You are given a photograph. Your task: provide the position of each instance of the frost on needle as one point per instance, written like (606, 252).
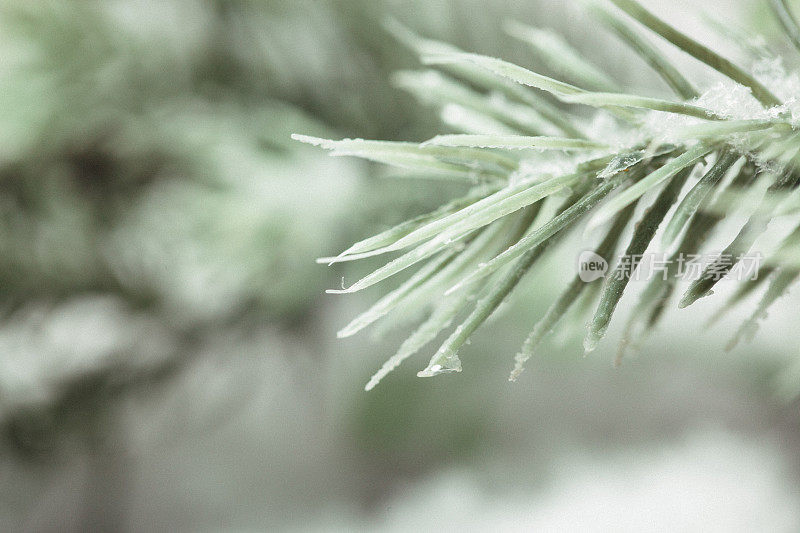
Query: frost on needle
(540, 156)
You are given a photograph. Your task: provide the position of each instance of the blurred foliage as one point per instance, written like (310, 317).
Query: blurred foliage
(148, 184)
(149, 188)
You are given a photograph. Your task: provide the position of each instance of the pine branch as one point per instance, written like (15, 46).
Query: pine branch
(544, 170)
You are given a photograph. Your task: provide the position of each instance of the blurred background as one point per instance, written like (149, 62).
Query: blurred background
(169, 357)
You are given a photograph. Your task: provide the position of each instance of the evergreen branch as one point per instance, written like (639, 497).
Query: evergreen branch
(473, 252)
(698, 51)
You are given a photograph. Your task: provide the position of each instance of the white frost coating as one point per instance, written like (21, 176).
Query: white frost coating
(663, 126)
(735, 101)
(732, 100)
(786, 86)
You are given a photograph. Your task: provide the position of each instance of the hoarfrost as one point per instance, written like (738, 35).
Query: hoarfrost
(786, 86)
(731, 100)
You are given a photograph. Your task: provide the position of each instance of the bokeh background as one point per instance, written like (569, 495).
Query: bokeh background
(168, 357)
